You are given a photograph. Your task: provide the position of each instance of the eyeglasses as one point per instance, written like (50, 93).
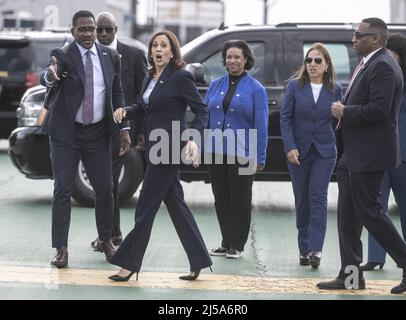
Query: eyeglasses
(85, 29)
(309, 60)
(107, 29)
(359, 35)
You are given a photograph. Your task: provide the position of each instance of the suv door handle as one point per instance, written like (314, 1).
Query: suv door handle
(273, 102)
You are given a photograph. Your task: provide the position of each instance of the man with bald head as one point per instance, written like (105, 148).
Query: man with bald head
(133, 69)
(370, 142)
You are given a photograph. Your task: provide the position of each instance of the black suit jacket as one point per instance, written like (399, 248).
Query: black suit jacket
(369, 129)
(60, 120)
(133, 69)
(174, 92)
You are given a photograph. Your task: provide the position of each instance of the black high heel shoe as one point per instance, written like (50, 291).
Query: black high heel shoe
(191, 276)
(369, 266)
(118, 278)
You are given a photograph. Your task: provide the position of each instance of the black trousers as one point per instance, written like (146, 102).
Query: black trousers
(359, 205)
(92, 145)
(232, 200)
(161, 183)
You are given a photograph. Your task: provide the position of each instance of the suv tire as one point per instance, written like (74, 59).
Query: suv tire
(130, 178)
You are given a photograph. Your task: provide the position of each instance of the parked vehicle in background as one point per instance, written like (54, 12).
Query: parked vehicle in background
(23, 56)
(279, 51)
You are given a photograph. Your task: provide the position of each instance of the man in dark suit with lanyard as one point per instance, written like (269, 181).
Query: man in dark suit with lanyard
(370, 143)
(80, 126)
(133, 69)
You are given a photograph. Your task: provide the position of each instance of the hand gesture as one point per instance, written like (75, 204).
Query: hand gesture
(337, 110)
(125, 142)
(192, 153)
(119, 115)
(53, 70)
(293, 156)
(140, 142)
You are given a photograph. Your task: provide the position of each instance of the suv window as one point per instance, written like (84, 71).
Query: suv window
(42, 50)
(213, 66)
(340, 57)
(14, 56)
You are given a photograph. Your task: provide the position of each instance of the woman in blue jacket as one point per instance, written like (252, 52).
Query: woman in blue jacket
(309, 142)
(238, 109)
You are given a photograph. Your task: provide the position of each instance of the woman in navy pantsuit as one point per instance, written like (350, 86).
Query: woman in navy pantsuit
(394, 179)
(166, 93)
(309, 142)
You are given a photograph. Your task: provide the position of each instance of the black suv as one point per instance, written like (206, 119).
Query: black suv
(23, 56)
(279, 51)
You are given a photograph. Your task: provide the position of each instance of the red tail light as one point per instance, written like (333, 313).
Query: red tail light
(31, 80)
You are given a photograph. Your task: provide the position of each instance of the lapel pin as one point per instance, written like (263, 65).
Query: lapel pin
(161, 82)
(104, 53)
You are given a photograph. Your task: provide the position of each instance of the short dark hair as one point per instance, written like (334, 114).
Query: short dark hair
(177, 61)
(246, 51)
(377, 24)
(397, 43)
(81, 14)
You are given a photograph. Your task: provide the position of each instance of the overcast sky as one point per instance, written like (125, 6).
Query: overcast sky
(251, 11)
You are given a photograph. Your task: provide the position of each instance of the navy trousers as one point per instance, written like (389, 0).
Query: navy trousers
(310, 182)
(161, 183)
(92, 146)
(394, 179)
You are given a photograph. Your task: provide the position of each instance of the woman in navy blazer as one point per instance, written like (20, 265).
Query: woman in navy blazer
(394, 179)
(237, 104)
(166, 93)
(309, 142)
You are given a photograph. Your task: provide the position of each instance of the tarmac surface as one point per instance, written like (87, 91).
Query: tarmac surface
(269, 268)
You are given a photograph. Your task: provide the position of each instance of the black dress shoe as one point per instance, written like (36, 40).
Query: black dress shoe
(339, 284)
(191, 276)
(118, 278)
(96, 245)
(117, 240)
(400, 288)
(108, 248)
(369, 266)
(61, 258)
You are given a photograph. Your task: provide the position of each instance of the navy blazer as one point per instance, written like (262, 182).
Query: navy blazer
(369, 126)
(60, 119)
(304, 121)
(174, 91)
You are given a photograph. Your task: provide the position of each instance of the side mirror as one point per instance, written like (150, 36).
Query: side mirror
(196, 69)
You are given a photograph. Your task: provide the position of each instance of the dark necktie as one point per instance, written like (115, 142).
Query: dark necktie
(88, 99)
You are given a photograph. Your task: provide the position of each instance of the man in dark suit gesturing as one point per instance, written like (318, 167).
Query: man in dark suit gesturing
(80, 125)
(133, 69)
(370, 144)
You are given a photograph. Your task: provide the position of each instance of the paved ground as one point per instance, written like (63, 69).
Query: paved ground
(268, 270)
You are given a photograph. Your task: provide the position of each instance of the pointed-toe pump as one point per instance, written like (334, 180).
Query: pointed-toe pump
(369, 266)
(191, 276)
(118, 278)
